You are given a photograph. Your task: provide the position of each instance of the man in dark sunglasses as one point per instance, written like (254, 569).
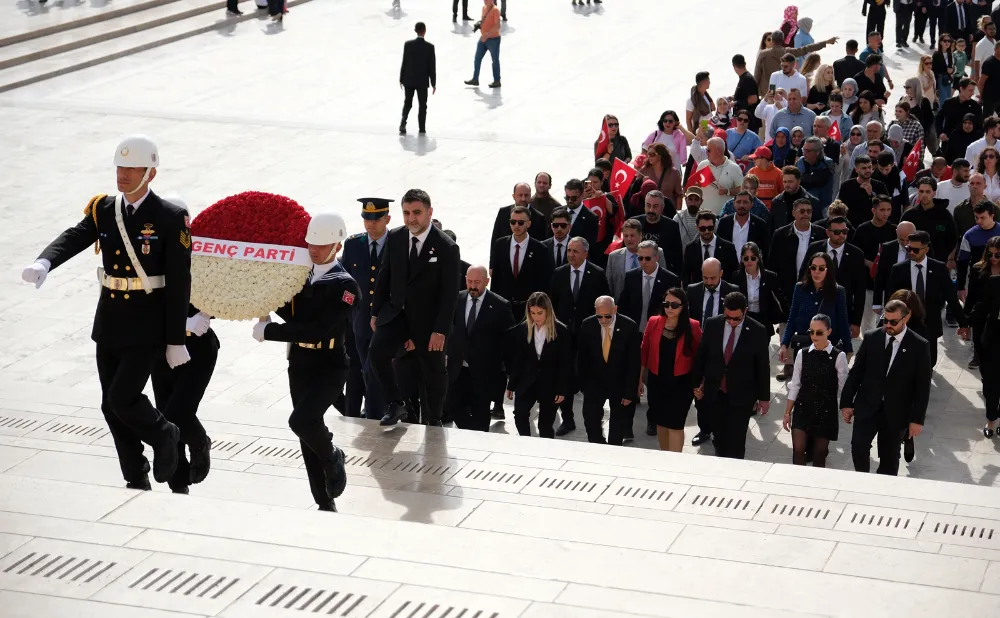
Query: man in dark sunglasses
(708, 245)
(519, 264)
(887, 390)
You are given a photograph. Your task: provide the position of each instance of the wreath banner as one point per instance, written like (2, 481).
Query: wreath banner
(255, 252)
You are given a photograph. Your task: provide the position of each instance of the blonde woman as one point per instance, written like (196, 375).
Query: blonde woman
(809, 66)
(541, 359)
(928, 83)
(819, 94)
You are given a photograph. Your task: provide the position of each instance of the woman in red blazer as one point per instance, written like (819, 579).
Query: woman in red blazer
(668, 348)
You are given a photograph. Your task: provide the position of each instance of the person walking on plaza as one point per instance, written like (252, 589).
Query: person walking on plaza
(465, 11)
(731, 374)
(143, 306)
(887, 390)
(315, 322)
(418, 69)
(814, 395)
(489, 40)
(414, 305)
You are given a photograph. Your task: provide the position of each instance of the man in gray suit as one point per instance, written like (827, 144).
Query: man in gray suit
(626, 259)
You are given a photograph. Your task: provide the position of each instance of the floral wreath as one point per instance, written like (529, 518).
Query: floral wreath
(244, 289)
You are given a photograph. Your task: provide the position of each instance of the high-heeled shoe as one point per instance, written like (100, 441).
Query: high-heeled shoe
(988, 432)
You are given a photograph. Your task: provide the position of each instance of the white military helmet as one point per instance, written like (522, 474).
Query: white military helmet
(137, 151)
(327, 228)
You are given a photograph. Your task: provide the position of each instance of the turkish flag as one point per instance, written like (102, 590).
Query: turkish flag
(603, 141)
(622, 176)
(598, 206)
(616, 244)
(912, 162)
(835, 133)
(701, 178)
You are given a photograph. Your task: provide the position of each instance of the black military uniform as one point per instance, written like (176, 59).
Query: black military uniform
(316, 322)
(131, 327)
(363, 261)
(178, 392)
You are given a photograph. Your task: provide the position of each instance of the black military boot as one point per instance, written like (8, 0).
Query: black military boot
(141, 484)
(165, 453)
(336, 474)
(200, 460)
(329, 508)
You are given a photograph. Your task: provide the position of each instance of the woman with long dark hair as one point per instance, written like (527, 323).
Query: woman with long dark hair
(943, 66)
(989, 166)
(765, 301)
(984, 299)
(660, 169)
(540, 366)
(672, 134)
(668, 349)
(618, 147)
(817, 292)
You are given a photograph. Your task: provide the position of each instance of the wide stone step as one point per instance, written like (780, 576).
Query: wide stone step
(48, 19)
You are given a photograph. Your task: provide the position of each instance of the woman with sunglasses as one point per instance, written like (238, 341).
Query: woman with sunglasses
(928, 81)
(765, 301)
(984, 299)
(765, 42)
(742, 141)
(660, 169)
(669, 345)
(943, 66)
(540, 366)
(817, 292)
(671, 134)
(812, 413)
(618, 147)
(855, 137)
(987, 166)
(922, 109)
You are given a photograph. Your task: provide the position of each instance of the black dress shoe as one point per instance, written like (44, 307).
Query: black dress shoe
(454, 19)
(331, 507)
(201, 462)
(907, 45)
(181, 489)
(472, 82)
(785, 373)
(908, 449)
(142, 484)
(497, 414)
(650, 429)
(336, 474)
(165, 454)
(701, 438)
(494, 85)
(435, 423)
(565, 428)
(988, 432)
(422, 131)
(402, 130)
(394, 412)
(466, 18)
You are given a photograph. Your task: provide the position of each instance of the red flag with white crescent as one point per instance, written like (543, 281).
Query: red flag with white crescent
(702, 178)
(835, 133)
(622, 176)
(603, 141)
(912, 162)
(598, 206)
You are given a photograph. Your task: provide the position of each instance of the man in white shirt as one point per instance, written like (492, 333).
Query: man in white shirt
(788, 77)
(559, 241)
(991, 130)
(984, 49)
(728, 176)
(955, 190)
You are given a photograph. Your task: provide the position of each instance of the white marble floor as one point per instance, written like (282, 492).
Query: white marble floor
(435, 522)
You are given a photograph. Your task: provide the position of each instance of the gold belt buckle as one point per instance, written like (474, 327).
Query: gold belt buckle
(117, 283)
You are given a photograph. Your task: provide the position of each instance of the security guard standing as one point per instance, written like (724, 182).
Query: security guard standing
(142, 310)
(362, 259)
(315, 323)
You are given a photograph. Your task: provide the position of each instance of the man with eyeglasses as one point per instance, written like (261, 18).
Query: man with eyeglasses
(887, 390)
(583, 223)
(743, 226)
(522, 198)
(519, 264)
(643, 287)
(708, 245)
(857, 192)
(661, 230)
(608, 361)
(625, 260)
(732, 374)
(849, 263)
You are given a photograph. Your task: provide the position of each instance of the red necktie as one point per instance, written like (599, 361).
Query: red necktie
(517, 260)
(728, 354)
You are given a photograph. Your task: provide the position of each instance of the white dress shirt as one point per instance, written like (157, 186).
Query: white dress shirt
(923, 273)
(539, 340)
(572, 278)
(520, 258)
(836, 253)
(136, 204)
(715, 299)
(725, 335)
(805, 238)
(895, 346)
(741, 234)
(711, 245)
(753, 293)
(902, 254)
(796, 382)
(421, 239)
(573, 213)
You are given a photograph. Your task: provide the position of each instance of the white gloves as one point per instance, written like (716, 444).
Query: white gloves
(36, 273)
(198, 324)
(258, 328)
(177, 355)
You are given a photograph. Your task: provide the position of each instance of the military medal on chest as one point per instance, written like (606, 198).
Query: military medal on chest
(147, 233)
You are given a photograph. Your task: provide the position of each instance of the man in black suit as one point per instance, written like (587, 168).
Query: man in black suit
(574, 289)
(705, 301)
(418, 69)
(583, 223)
(662, 230)
(645, 286)
(742, 227)
(557, 244)
(890, 254)
(849, 65)
(887, 390)
(734, 342)
(957, 21)
(790, 247)
(852, 273)
(519, 264)
(522, 197)
(708, 245)
(931, 281)
(414, 305)
(607, 365)
(475, 352)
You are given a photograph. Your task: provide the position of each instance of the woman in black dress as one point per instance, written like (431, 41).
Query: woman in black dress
(814, 395)
(668, 349)
(540, 366)
(982, 293)
(766, 302)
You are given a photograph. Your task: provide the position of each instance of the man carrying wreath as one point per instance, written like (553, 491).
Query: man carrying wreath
(143, 307)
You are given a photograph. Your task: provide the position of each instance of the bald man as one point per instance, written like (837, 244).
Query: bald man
(476, 374)
(539, 229)
(607, 361)
(892, 253)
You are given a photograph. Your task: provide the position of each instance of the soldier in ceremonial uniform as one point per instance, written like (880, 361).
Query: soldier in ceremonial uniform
(362, 259)
(316, 322)
(142, 310)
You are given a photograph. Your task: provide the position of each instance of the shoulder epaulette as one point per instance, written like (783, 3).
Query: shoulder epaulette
(353, 236)
(91, 210)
